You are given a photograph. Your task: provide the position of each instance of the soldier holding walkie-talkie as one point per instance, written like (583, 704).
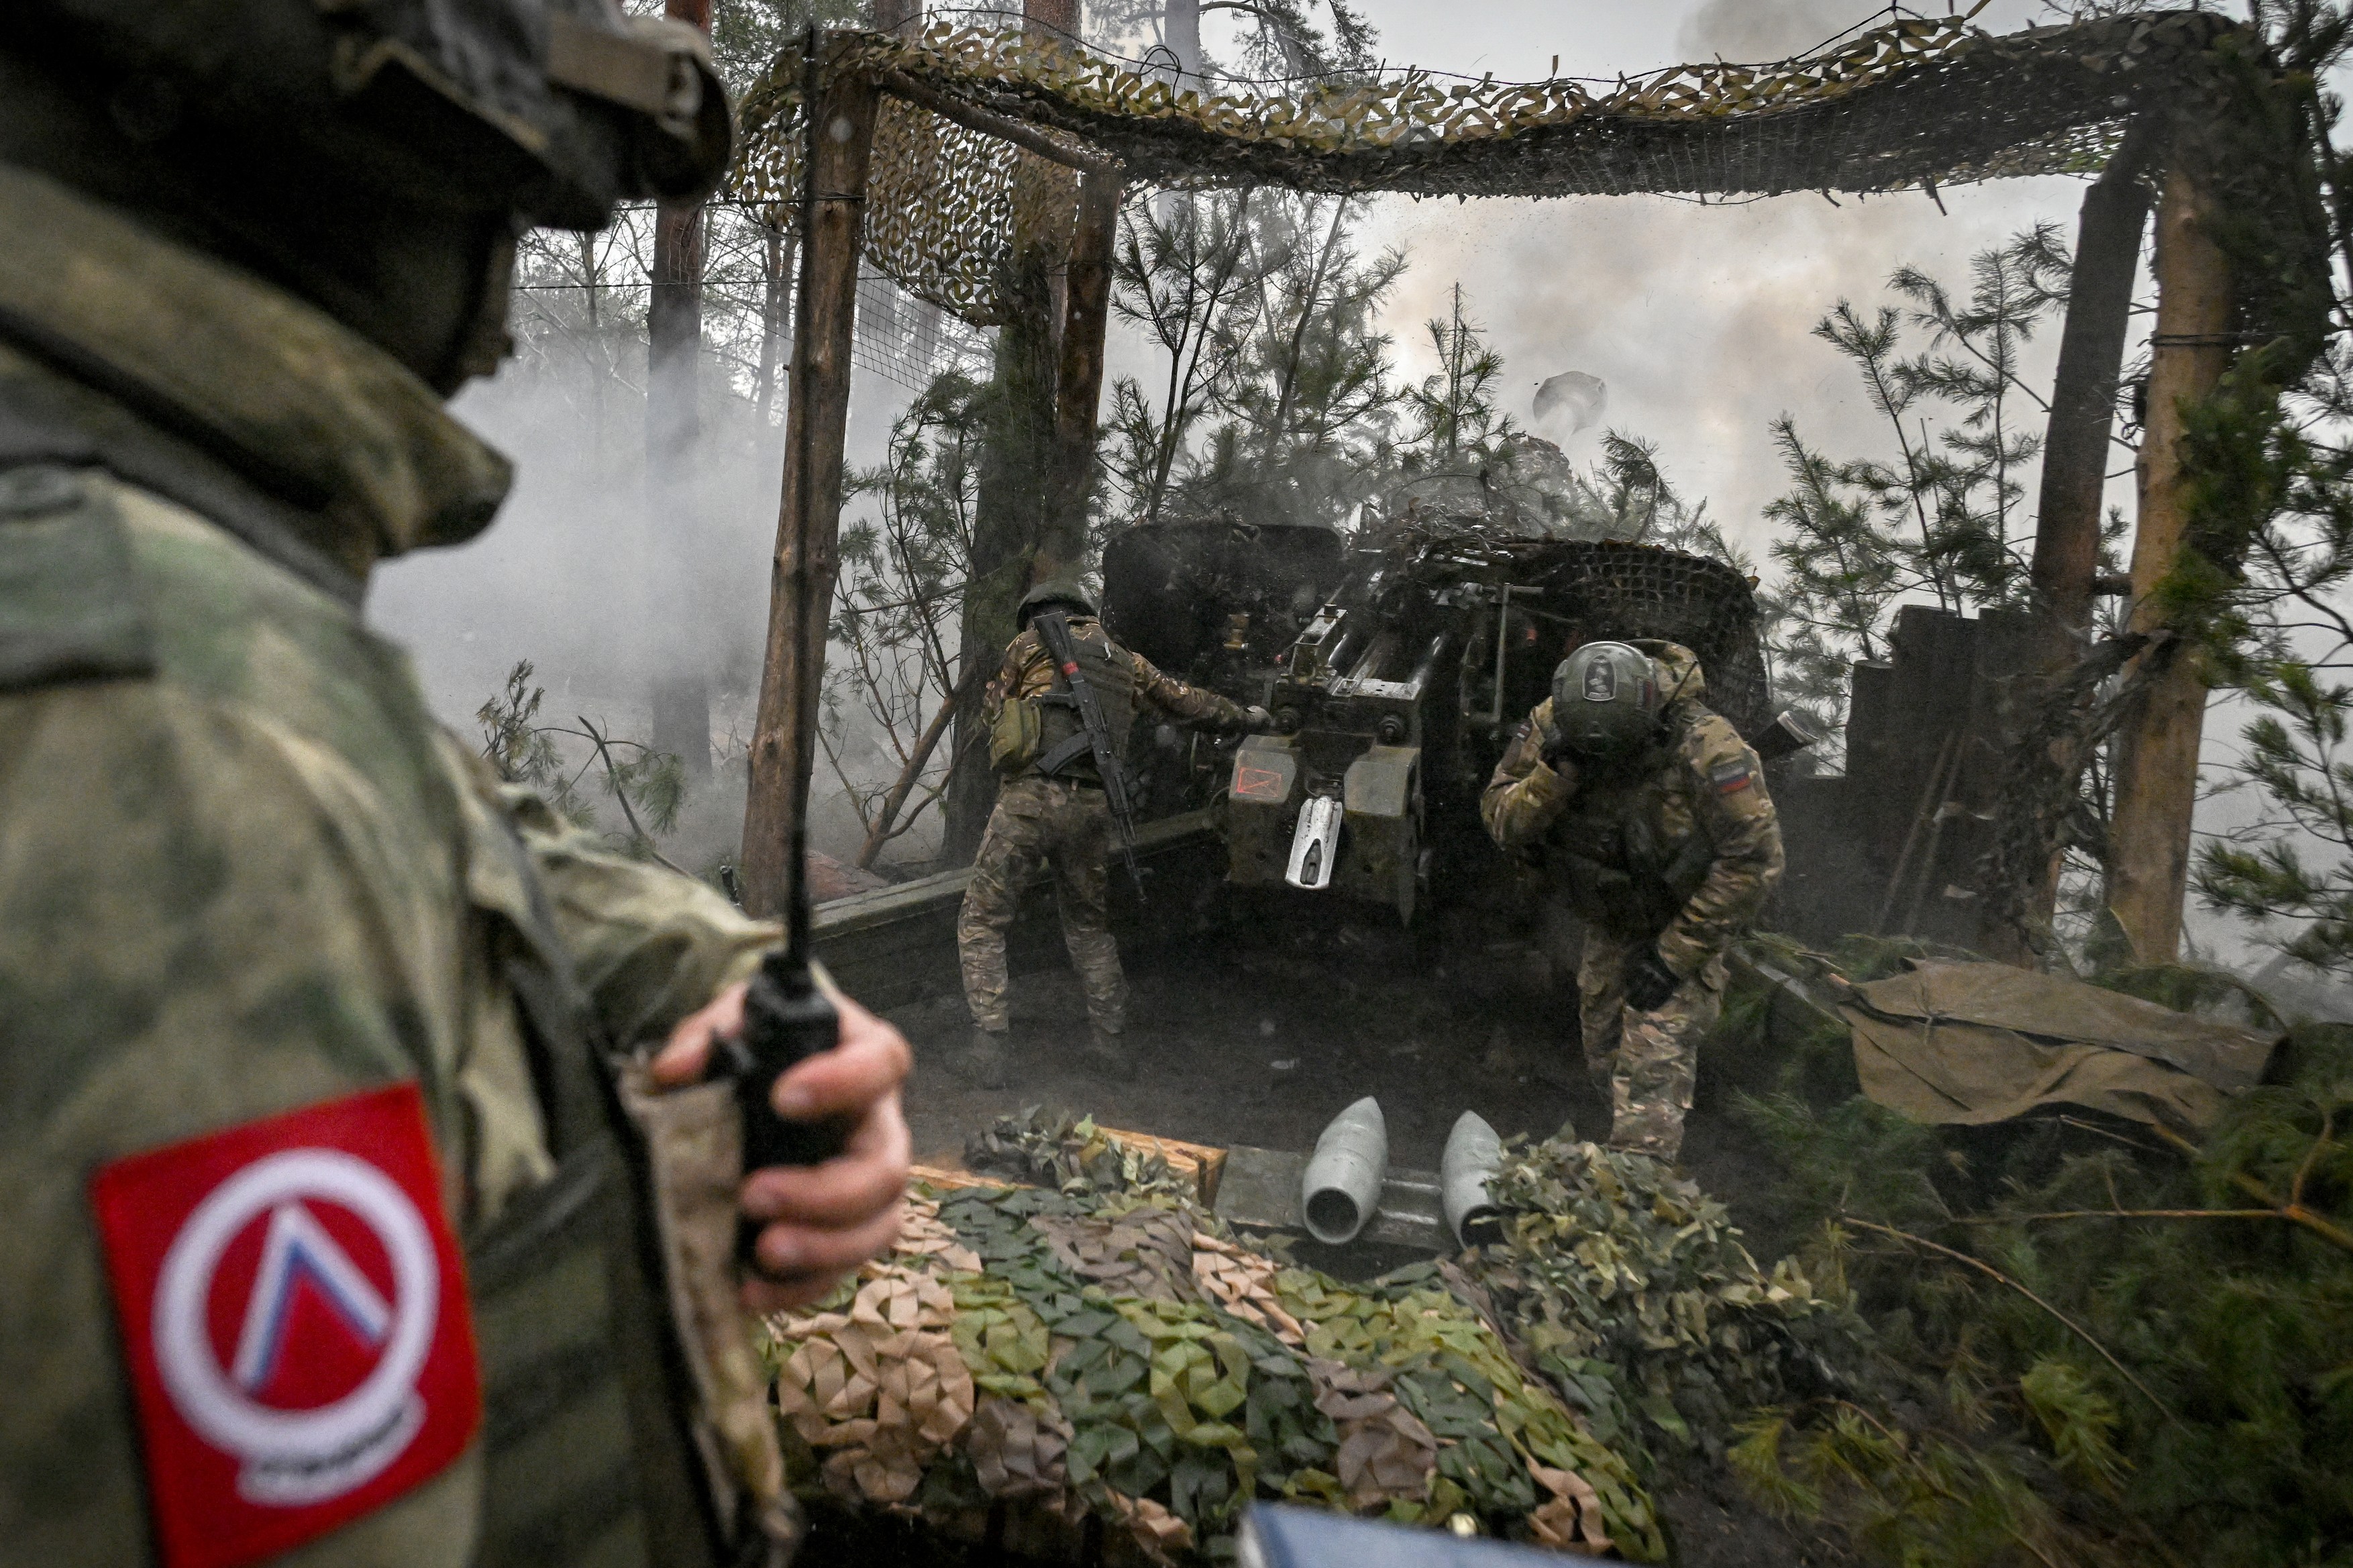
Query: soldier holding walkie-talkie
(1059, 713)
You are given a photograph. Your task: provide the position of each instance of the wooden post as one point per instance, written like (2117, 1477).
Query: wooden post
(1077, 386)
(2075, 456)
(2157, 748)
(2075, 449)
(817, 417)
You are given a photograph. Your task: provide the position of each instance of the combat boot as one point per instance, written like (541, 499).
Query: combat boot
(1108, 1055)
(985, 1059)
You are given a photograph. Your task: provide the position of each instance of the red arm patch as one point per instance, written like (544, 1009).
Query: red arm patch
(294, 1320)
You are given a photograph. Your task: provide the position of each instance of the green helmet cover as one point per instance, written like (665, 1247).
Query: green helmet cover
(553, 110)
(1606, 699)
(1069, 596)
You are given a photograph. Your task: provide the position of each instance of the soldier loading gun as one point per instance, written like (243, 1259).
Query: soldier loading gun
(1058, 726)
(1652, 814)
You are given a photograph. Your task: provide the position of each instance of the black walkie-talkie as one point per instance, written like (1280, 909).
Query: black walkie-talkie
(786, 1020)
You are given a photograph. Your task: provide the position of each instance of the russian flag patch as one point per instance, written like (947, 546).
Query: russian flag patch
(293, 1316)
(1731, 776)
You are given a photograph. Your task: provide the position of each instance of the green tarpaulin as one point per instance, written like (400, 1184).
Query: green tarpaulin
(1972, 1043)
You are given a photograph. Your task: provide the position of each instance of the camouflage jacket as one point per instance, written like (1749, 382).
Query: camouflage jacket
(247, 873)
(1029, 671)
(1681, 845)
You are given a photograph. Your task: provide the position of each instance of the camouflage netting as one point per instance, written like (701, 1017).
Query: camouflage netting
(1920, 102)
(1107, 1351)
(1628, 1287)
(1594, 588)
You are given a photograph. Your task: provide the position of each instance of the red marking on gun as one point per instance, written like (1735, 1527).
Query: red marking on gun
(1258, 784)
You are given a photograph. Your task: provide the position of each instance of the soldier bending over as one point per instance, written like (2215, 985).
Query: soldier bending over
(1653, 814)
(1061, 819)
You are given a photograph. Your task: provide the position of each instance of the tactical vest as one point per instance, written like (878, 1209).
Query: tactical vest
(586, 1453)
(1061, 737)
(1611, 864)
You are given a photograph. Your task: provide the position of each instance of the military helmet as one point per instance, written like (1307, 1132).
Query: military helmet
(1606, 699)
(552, 111)
(1068, 596)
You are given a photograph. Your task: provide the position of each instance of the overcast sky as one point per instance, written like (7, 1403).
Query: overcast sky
(1698, 319)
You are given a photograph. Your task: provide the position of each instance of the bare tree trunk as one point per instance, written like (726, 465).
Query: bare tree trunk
(1008, 518)
(783, 249)
(680, 695)
(1180, 25)
(1010, 510)
(1078, 388)
(2156, 749)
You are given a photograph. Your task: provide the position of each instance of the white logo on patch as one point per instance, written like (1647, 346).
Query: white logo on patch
(293, 1457)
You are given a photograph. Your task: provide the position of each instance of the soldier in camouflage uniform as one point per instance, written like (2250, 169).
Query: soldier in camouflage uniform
(307, 1020)
(1062, 822)
(1651, 812)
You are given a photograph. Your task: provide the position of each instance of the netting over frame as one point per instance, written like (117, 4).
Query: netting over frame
(1919, 101)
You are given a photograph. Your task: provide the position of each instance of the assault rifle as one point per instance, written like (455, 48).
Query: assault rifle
(1073, 691)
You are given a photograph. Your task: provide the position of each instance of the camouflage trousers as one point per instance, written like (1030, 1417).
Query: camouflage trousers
(1066, 828)
(1649, 1059)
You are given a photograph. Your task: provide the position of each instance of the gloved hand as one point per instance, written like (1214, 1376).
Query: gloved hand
(1649, 980)
(1552, 749)
(1257, 721)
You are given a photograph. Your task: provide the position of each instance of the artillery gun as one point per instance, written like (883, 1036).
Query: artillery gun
(1428, 640)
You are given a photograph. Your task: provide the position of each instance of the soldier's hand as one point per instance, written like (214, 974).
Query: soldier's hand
(817, 1222)
(1649, 980)
(1256, 719)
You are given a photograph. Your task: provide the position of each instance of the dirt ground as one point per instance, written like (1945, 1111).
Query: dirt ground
(1258, 1033)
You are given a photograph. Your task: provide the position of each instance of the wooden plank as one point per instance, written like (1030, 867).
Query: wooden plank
(808, 522)
(1204, 1165)
(942, 1179)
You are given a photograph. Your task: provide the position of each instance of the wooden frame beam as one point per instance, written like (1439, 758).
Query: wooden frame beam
(1004, 127)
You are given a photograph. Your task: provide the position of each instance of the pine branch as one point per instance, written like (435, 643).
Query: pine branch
(1980, 1265)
